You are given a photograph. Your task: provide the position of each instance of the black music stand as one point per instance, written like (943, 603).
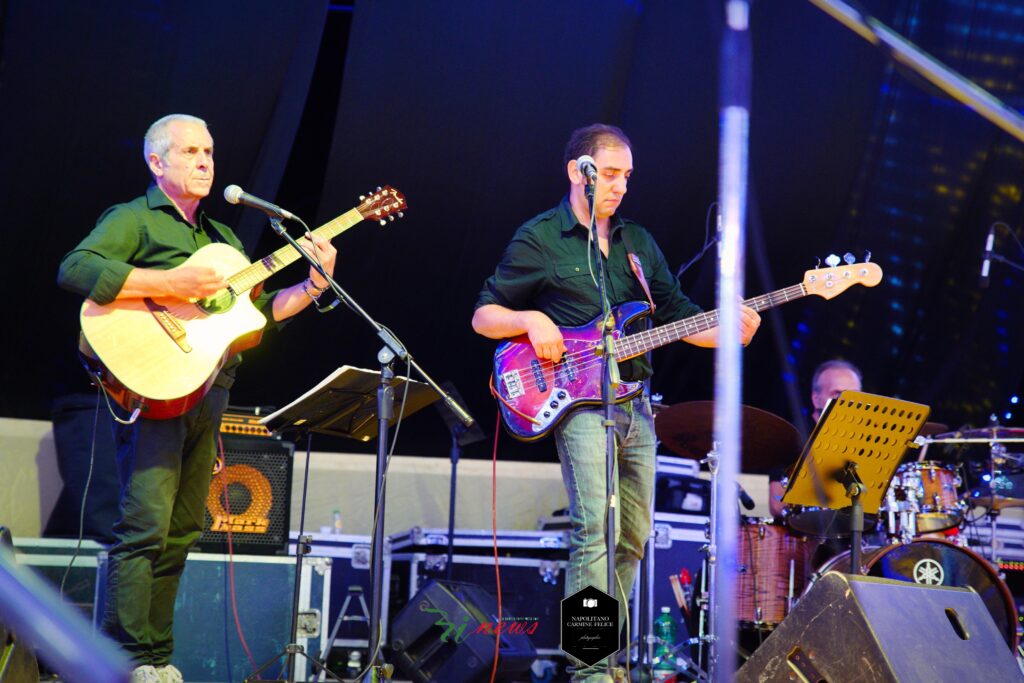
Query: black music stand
(461, 436)
(852, 455)
(343, 404)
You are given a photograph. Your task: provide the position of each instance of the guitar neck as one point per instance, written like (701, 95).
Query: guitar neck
(257, 272)
(640, 343)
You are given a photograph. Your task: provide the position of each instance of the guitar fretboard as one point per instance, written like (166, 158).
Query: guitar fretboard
(640, 343)
(257, 272)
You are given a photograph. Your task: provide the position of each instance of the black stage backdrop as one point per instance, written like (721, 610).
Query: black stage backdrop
(465, 107)
(79, 85)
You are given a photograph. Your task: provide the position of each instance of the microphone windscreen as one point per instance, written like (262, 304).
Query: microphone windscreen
(232, 193)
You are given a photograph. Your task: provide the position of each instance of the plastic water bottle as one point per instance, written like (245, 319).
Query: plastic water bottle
(337, 522)
(664, 670)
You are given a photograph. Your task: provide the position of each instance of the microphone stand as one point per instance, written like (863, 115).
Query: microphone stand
(392, 349)
(609, 382)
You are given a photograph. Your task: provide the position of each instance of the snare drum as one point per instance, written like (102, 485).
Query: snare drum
(772, 570)
(926, 498)
(935, 562)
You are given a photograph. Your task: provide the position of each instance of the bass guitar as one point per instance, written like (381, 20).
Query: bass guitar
(534, 395)
(161, 354)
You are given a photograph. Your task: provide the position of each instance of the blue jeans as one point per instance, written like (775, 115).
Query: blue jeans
(165, 467)
(581, 449)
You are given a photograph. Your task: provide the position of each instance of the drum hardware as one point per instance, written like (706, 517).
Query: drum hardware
(996, 437)
(998, 461)
(997, 502)
(901, 521)
(769, 442)
(852, 455)
(923, 498)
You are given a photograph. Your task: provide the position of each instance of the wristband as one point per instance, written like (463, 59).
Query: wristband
(307, 285)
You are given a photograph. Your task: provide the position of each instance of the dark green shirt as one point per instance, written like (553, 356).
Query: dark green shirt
(147, 232)
(545, 268)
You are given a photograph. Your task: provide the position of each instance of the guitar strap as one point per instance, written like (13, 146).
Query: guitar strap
(638, 270)
(637, 267)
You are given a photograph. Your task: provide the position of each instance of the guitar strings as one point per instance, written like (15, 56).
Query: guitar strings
(691, 326)
(260, 270)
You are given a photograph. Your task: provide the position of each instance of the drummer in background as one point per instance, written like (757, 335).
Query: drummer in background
(831, 378)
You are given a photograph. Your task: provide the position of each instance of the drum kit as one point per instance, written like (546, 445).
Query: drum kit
(917, 536)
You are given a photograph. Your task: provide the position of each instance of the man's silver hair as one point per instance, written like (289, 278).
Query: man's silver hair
(834, 364)
(158, 138)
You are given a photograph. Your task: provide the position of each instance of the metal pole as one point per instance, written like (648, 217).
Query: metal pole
(935, 72)
(385, 412)
(732, 197)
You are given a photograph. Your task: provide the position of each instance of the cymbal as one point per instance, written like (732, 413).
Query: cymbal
(996, 502)
(768, 440)
(658, 407)
(933, 428)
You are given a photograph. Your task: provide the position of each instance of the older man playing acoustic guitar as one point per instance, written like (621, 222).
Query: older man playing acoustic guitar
(138, 251)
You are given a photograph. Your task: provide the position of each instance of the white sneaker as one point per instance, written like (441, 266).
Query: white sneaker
(146, 674)
(169, 674)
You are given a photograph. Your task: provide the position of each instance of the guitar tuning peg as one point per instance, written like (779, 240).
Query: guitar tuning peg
(383, 221)
(832, 260)
(401, 215)
(849, 259)
(867, 256)
(817, 262)
(391, 218)
(362, 197)
(378, 188)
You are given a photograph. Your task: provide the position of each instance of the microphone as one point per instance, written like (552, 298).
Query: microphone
(236, 195)
(745, 498)
(986, 261)
(587, 167)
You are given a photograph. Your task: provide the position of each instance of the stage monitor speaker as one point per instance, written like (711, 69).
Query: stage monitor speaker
(446, 634)
(861, 629)
(250, 495)
(17, 662)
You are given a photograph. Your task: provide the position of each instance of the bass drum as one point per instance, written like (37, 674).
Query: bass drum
(936, 562)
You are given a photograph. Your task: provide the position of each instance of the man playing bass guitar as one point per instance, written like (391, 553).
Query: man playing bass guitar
(543, 282)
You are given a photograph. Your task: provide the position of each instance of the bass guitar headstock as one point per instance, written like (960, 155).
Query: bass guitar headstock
(834, 279)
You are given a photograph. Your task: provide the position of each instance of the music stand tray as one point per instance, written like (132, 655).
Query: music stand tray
(345, 404)
(872, 432)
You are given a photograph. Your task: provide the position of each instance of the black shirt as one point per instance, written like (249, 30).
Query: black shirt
(545, 268)
(147, 232)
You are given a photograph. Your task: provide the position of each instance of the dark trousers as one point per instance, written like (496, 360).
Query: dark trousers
(164, 467)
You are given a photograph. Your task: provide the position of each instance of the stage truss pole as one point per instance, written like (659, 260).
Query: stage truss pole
(734, 124)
